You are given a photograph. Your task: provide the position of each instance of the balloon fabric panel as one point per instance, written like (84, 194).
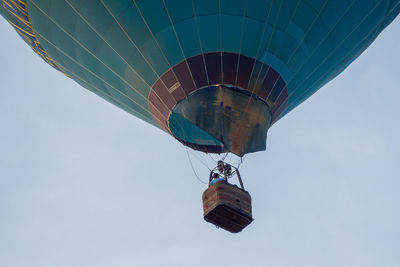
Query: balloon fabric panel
(154, 57)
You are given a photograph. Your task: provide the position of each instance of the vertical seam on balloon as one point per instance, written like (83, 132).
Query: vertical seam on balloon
(269, 43)
(162, 51)
(105, 41)
(304, 37)
(239, 56)
(376, 28)
(157, 75)
(260, 45)
(139, 105)
(171, 68)
(106, 97)
(199, 39)
(201, 45)
(241, 40)
(147, 118)
(72, 38)
(140, 52)
(185, 60)
(156, 41)
(369, 13)
(129, 37)
(88, 70)
(269, 67)
(301, 42)
(280, 42)
(183, 54)
(222, 63)
(319, 44)
(134, 44)
(354, 47)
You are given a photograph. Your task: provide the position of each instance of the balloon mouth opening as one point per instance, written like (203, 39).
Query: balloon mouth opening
(203, 102)
(221, 118)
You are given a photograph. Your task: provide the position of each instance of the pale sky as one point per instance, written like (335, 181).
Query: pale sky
(83, 183)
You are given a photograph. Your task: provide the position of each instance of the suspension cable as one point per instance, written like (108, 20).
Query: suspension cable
(203, 161)
(240, 162)
(191, 165)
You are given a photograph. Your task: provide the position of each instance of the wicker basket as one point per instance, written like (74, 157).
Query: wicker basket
(227, 206)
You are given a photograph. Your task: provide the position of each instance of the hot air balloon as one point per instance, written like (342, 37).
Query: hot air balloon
(214, 74)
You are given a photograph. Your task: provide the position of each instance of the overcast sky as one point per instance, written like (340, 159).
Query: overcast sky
(83, 183)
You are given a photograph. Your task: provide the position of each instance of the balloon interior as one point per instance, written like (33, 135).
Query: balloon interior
(213, 74)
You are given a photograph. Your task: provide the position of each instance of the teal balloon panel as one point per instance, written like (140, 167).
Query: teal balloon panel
(153, 57)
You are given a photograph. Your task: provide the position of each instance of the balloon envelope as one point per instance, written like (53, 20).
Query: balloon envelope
(213, 74)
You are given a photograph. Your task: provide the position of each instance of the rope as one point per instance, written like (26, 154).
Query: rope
(240, 162)
(191, 164)
(224, 157)
(201, 160)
